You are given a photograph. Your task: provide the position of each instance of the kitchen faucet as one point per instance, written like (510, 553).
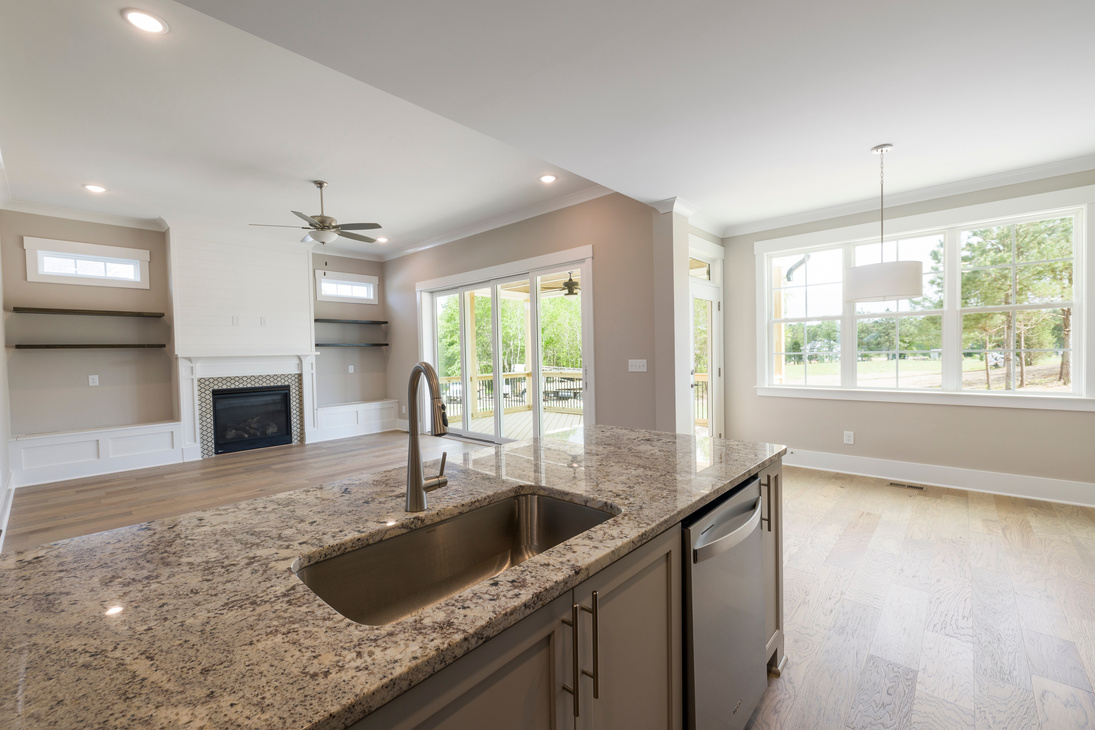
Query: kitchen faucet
(417, 484)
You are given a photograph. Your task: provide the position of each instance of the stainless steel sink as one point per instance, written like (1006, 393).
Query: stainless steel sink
(387, 580)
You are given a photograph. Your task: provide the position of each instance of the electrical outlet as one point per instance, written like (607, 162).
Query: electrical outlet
(93, 380)
(351, 370)
(636, 366)
(403, 410)
(849, 437)
(235, 320)
(262, 321)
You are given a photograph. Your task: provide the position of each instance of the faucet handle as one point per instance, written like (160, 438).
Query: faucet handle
(440, 480)
(444, 456)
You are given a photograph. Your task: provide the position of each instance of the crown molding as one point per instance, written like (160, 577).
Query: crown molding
(16, 206)
(972, 185)
(580, 196)
(676, 205)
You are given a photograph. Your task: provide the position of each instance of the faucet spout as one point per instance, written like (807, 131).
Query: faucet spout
(417, 483)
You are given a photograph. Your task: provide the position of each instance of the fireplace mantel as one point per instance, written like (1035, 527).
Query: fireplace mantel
(192, 368)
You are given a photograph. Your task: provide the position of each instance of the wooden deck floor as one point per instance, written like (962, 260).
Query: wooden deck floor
(518, 426)
(936, 609)
(61, 510)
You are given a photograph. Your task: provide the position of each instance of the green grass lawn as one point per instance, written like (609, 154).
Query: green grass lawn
(1039, 375)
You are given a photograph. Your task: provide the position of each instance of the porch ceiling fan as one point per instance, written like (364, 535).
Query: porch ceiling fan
(323, 228)
(569, 285)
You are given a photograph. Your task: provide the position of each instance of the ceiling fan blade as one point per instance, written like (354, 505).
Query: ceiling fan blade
(276, 225)
(358, 226)
(311, 221)
(356, 237)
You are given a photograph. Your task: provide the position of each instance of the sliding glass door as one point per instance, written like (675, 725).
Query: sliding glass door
(509, 354)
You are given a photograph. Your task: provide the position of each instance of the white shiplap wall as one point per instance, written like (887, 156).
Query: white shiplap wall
(227, 281)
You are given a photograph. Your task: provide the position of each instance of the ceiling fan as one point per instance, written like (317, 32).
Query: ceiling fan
(323, 228)
(570, 285)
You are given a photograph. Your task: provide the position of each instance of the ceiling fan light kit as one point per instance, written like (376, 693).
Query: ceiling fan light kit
(889, 280)
(323, 228)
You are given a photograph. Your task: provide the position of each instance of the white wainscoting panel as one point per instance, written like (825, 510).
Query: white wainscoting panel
(353, 419)
(1015, 485)
(54, 457)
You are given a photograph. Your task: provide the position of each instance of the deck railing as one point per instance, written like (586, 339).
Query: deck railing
(701, 394)
(562, 393)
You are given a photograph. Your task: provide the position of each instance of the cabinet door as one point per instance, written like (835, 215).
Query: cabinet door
(514, 681)
(636, 629)
(771, 483)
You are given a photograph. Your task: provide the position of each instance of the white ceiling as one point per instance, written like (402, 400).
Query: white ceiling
(751, 111)
(210, 122)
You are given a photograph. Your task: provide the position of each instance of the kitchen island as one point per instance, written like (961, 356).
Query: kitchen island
(216, 631)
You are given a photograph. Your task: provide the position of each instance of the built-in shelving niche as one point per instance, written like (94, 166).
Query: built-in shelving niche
(325, 320)
(88, 313)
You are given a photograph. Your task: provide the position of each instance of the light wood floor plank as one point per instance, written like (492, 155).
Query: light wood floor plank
(900, 629)
(1055, 659)
(1063, 706)
(1001, 706)
(933, 713)
(885, 696)
(946, 669)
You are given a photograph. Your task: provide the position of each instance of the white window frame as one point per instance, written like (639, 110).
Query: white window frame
(1078, 201)
(346, 278)
(37, 248)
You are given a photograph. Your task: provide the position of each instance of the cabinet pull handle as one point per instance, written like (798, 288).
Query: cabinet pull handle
(767, 484)
(596, 674)
(572, 622)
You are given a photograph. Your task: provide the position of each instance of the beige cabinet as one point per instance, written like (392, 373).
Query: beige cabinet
(630, 640)
(628, 672)
(771, 484)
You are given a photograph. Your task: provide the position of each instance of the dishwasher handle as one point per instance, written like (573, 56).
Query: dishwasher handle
(733, 533)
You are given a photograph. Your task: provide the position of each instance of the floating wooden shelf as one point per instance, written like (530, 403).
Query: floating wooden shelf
(351, 344)
(89, 313)
(88, 347)
(353, 321)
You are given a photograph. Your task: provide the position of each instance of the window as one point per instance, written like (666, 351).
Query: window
(72, 262)
(334, 286)
(999, 313)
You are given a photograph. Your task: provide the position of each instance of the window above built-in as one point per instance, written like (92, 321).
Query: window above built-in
(1003, 318)
(72, 262)
(335, 286)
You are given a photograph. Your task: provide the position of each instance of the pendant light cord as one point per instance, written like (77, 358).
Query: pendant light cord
(882, 197)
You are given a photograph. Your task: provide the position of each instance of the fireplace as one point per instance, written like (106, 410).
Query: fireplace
(251, 418)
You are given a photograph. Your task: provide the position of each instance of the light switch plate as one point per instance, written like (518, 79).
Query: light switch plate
(849, 437)
(351, 369)
(636, 366)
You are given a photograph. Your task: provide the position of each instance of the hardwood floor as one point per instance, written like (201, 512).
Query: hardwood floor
(57, 511)
(935, 609)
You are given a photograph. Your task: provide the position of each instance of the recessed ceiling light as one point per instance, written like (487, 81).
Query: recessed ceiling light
(145, 21)
(548, 179)
(381, 239)
(95, 188)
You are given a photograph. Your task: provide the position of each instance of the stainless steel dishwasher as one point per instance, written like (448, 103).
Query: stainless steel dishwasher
(725, 667)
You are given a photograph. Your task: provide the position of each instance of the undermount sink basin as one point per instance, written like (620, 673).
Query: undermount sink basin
(388, 580)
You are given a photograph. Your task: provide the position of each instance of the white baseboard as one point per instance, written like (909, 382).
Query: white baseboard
(54, 457)
(5, 507)
(1015, 485)
(352, 419)
(402, 424)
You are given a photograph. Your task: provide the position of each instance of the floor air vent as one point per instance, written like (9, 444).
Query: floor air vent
(907, 486)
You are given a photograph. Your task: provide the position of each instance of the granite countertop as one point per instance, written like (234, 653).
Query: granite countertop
(217, 632)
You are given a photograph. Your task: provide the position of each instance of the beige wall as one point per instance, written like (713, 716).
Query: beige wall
(334, 382)
(1052, 444)
(621, 233)
(49, 389)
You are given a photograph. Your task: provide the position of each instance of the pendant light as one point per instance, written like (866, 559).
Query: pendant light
(892, 279)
